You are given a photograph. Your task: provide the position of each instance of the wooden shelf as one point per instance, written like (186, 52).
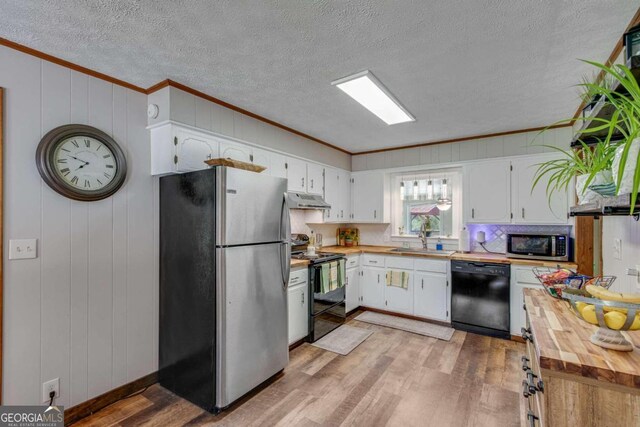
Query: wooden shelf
(608, 206)
(602, 110)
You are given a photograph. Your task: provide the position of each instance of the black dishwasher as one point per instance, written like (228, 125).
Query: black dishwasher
(480, 298)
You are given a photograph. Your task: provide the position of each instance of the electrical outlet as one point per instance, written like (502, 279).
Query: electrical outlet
(22, 248)
(617, 249)
(48, 387)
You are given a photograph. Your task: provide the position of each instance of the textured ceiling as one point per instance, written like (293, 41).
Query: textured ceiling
(462, 67)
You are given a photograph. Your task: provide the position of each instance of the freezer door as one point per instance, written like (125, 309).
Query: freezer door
(251, 318)
(250, 207)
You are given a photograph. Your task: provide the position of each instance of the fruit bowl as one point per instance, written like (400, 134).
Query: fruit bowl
(611, 317)
(556, 280)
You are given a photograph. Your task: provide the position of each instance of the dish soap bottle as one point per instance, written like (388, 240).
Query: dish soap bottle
(439, 245)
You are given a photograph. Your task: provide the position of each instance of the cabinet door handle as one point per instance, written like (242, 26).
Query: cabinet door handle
(378, 277)
(303, 298)
(473, 213)
(251, 157)
(341, 214)
(311, 182)
(422, 285)
(522, 213)
(303, 182)
(375, 213)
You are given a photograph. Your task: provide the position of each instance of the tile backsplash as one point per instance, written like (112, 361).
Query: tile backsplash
(496, 234)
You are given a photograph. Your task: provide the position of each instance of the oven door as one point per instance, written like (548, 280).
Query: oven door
(531, 246)
(323, 301)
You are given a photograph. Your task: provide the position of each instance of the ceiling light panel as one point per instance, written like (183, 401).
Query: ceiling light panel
(367, 90)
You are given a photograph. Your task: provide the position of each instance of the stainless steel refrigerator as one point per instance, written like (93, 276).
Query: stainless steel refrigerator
(224, 270)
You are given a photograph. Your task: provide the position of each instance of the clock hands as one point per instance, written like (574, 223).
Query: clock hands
(80, 160)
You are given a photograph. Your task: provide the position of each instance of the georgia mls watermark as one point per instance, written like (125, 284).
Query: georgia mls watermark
(31, 416)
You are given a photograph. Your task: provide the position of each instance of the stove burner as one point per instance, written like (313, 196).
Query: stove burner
(318, 257)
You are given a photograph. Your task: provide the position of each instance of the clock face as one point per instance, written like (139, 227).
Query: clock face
(84, 163)
(81, 162)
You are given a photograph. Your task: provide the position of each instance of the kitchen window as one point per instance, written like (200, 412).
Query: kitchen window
(426, 197)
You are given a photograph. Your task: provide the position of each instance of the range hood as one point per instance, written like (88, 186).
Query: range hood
(306, 201)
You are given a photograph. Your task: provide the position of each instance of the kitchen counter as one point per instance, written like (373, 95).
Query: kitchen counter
(295, 263)
(475, 256)
(561, 343)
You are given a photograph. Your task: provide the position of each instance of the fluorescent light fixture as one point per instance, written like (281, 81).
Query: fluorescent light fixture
(365, 88)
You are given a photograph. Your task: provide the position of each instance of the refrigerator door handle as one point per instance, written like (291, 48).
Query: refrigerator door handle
(285, 256)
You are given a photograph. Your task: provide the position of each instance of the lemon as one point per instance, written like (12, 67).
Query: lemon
(614, 319)
(589, 314)
(636, 323)
(580, 305)
(621, 310)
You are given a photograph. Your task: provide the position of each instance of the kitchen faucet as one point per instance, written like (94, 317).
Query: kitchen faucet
(423, 234)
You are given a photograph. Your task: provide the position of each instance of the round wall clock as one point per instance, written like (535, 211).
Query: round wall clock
(81, 162)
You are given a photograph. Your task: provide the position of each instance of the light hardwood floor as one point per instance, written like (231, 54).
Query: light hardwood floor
(394, 378)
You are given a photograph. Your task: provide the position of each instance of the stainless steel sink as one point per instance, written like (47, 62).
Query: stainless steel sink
(424, 251)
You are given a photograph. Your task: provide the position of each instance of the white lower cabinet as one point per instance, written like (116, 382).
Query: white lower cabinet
(352, 299)
(521, 278)
(399, 299)
(430, 296)
(428, 292)
(298, 306)
(372, 287)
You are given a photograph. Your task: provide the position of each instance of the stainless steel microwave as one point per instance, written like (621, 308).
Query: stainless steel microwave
(551, 247)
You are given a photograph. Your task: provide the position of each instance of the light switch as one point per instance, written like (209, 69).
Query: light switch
(617, 249)
(23, 248)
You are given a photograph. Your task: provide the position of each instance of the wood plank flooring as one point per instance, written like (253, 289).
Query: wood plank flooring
(394, 378)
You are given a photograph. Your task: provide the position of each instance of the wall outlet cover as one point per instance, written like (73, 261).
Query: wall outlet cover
(48, 387)
(23, 248)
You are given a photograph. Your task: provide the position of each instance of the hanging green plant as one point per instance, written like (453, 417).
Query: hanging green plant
(593, 161)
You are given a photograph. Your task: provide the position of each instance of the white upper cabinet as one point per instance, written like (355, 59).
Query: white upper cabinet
(337, 192)
(315, 179)
(235, 151)
(261, 158)
(245, 153)
(370, 197)
(332, 193)
(344, 188)
(278, 165)
(499, 192)
(175, 149)
(297, 175)
(488, 192)
(535, 207)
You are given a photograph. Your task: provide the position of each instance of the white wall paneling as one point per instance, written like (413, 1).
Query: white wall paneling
(628, 231)
(185, 108)
(475, 149)
(85, 310)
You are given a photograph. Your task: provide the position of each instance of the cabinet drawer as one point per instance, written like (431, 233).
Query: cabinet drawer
(298, 277)
(353, 262)
(525, 275)
(432, 265)
(399, 262)
(373, 260)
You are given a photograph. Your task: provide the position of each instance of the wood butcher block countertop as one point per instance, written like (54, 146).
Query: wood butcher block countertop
(474, 256)
(295, 263)
(561, 342)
